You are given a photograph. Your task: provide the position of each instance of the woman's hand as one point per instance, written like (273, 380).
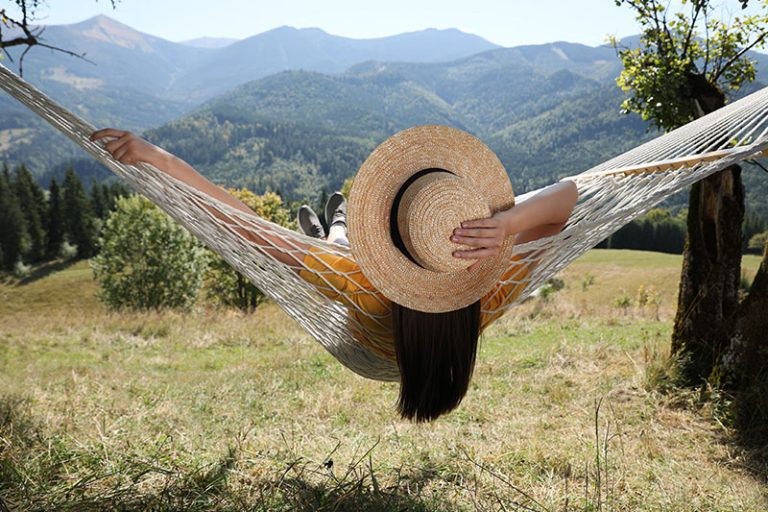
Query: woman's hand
(129, 149)
(541, 215)
(486, 236)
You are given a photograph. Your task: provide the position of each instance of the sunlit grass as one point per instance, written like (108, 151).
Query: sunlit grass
(218, 410)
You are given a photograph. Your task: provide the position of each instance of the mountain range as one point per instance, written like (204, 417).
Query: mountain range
(298, 110)
(138, 81)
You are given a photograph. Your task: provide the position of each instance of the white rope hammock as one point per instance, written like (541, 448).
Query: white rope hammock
(610, 195)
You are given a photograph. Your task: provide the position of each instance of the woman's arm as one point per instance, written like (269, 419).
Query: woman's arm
(541, 215)
(130, 149)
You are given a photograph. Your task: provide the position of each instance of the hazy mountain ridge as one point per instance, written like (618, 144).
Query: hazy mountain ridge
(548, 110)
(136, 81)
(313, 49)
(526, 117)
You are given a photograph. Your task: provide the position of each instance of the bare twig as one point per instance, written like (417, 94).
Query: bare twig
(757, 164)
(31, 35)
(598, 476)
(505, 481)
(696, 7)
(21, 60)
(706, 42)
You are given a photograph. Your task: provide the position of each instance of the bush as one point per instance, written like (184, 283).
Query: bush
(21, 270)
(758, 242)
(550, 286)
(67, 251)
(223, 283)
(623, 303)
(147, 261)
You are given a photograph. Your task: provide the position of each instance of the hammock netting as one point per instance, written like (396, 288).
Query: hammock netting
(610, 195)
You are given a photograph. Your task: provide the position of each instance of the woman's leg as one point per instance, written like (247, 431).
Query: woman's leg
(338, 234)
(336, 216)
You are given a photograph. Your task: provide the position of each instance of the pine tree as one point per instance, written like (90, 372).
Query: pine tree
(80, 227)
(55, 217)
(12, 227)
(32, 202)
(113, 192)
(98, 200)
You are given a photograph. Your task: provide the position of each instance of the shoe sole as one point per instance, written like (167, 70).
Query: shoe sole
(305, 222)
(331, 206)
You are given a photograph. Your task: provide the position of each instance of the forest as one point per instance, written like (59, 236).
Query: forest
(64, 221)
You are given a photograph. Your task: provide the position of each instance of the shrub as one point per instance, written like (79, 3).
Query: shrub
(550, 286)
(758, 242)
(147, 261)
(67, 251)
(224, 284)
(21, 270)
(623, 302)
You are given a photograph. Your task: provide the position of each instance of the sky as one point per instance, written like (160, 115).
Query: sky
(503, 22)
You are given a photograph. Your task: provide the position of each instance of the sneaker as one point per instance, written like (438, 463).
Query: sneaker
(336, 210)
(310, 223)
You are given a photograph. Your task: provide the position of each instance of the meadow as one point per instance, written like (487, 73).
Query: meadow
(570, 409)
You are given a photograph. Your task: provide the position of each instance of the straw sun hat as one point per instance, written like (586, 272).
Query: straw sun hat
(406, 200)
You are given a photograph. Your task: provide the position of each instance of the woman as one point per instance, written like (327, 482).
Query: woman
(435, 351)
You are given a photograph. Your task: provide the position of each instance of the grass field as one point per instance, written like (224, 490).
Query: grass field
(223, 411)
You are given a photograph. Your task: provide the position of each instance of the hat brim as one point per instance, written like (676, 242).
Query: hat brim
(373, 192)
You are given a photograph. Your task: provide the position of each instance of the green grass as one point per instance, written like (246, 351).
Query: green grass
(223, 411)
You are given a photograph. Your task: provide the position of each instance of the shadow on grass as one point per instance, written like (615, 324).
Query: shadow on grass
(44, 471)
(749, 409)
(45, 270)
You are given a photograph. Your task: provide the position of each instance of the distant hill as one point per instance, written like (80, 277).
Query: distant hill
(137, 81)
(313, 49)
(119, 57)
(548, 110)
(303, 132)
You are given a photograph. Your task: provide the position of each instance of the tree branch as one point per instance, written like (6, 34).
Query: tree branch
(29, 41)
(31, 35)
(697, 7)
(664, 23)
(706, 44)
(659, 40)
(736, 57)
(757, 164)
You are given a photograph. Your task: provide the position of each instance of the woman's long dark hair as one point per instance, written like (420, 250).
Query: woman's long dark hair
(436, 355)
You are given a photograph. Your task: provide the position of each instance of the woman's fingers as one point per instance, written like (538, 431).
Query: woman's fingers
(476, 232)
(490, 222)
(108, 132)
(119, 154)
(121, 148)
(116, 144)
(474, 254)
(492, 241)
(118, 147)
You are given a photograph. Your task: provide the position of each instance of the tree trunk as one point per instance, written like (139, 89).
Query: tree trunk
(709, 285)
(747, 354)
(708, 296)
(745, 364)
